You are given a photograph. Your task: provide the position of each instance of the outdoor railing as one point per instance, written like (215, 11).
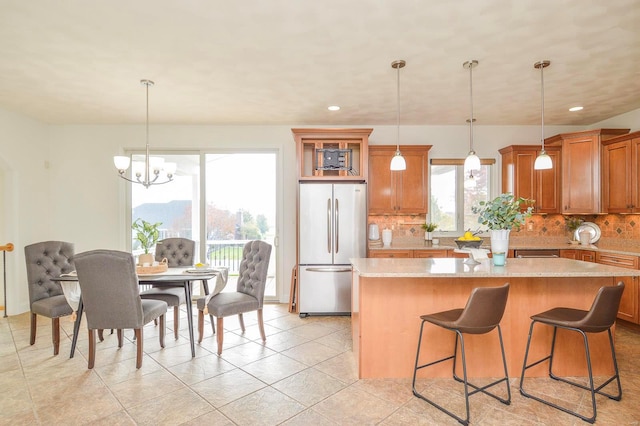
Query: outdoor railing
(225, 253)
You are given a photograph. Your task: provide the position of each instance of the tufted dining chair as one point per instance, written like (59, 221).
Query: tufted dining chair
(111, 298)
(249, 294)
(47, 260)
(179, 252)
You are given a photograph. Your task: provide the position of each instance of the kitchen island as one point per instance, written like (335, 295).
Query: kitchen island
(389, 295)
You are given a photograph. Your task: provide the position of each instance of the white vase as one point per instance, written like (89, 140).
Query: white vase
(500, 240)
(145, 259)
(428, 236)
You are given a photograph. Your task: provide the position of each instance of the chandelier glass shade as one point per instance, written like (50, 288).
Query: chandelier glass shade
(154, 170)
(398, 162)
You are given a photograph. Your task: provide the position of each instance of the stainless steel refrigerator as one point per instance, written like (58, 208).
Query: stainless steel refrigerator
(331, 229)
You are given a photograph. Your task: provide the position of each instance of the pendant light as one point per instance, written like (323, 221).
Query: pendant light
(153, 166)
(398, 162)
(472, 162)
(543, 161)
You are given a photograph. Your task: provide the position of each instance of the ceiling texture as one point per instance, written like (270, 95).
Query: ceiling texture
(282, 62)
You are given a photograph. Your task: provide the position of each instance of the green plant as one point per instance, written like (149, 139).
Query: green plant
(503, 212)
(429, 227)
(146, 233)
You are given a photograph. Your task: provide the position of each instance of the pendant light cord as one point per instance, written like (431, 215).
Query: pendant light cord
(398, 109)
(542, 105)
(471, 106)
(147, 165)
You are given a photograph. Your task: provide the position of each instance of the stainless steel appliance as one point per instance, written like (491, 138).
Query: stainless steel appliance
(536, 253)
(331, 229)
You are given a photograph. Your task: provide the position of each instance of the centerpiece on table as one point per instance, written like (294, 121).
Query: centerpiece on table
(428, 230)
(147, 234)
(501, 215)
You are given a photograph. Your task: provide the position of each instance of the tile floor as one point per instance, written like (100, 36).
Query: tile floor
(303, 375)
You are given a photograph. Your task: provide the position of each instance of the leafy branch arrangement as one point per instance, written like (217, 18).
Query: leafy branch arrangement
(503, 212)
(147, 233)
(572, 223)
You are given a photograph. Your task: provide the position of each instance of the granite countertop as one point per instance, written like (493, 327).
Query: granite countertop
(606, 246)
(450, 267)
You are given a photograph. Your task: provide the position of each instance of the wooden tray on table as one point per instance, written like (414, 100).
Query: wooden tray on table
(156, 269)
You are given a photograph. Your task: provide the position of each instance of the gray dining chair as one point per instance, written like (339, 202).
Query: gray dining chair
(179, 252)
(47, 260)
(111, 298)
(249, 294)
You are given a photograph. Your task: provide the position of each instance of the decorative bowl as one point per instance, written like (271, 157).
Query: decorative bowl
(462, 244)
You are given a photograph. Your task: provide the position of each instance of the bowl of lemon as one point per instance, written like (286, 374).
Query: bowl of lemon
(469, 240)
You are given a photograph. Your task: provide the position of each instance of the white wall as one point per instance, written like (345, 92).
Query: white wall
(80, 199)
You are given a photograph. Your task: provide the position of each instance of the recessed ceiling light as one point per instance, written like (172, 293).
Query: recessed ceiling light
(575, 108)
(333, 108)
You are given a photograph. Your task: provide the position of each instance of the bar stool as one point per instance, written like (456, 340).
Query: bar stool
(598, 319)
(483, 312)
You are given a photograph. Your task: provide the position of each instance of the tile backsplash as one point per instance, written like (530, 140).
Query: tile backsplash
(613, 226)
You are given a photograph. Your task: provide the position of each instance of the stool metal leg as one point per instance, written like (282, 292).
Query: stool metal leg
(591, 388)
(464, 378)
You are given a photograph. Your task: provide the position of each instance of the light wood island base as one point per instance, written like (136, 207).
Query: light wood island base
(389, 295)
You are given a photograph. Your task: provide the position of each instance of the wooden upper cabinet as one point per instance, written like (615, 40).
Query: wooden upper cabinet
(332, 154)
(620, 174)
(581, 158)
(520, 178)
(398, 192)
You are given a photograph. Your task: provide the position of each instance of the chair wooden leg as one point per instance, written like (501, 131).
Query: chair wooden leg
(119, 334)
(139, 348)
(101, 335)
(241, 318)
(176, 320)
(55, 333)
(261, 325)
(92, 349)
(34, 321)
(220, 333)
(163, 328)
(200, 325)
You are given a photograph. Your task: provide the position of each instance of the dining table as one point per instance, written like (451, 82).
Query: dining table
(179, 276)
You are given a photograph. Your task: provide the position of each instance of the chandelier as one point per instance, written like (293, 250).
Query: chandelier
(150, 171)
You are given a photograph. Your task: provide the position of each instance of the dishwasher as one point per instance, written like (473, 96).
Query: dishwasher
(527, 253)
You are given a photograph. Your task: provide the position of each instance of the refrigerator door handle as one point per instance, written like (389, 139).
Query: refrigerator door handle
(337, 215)
(328, 225)
(328, 269)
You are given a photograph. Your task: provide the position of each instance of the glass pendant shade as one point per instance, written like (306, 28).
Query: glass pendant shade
(543, 161)
(121, 162)
(472, 162)
(398, 162)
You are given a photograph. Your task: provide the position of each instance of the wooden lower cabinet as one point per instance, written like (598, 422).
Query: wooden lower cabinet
(629, 305)
(429, 253)
(391, 253)
(584, 255)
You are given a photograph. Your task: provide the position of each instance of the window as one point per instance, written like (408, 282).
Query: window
(218, 200)
(453, 193)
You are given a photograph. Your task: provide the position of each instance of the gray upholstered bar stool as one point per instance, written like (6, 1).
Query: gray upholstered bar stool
(598, 319)
(482, 314)
(179, 252)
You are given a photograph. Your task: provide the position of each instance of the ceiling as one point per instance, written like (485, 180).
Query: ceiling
(282, 62)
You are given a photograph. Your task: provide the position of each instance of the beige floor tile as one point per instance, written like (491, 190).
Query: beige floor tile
(144, 388)
(201, 368)
(342, 367)
(309, 417)
(242, 355)
(213, 418)
(339, 340)
(120, 418)
(397, 391)
(227, 387)
(273, 368)
(354, 407)
(309, 386)
(311, 353)
(284, 340)
(312, 330)
(264, 407)
(171, 409)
